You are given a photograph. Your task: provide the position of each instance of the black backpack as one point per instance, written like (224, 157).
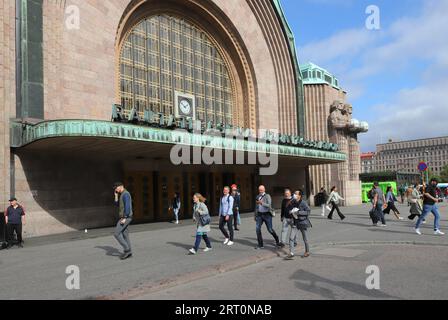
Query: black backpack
(370, 194)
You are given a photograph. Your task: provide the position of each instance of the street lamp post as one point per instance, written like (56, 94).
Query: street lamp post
(426, 160)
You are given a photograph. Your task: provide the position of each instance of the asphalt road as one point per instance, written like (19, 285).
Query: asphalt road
(160, 257)
(405, 272)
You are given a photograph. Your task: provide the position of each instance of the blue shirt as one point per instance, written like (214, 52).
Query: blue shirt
(226, 207)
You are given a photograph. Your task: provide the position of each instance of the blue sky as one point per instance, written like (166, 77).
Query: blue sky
(396, 77)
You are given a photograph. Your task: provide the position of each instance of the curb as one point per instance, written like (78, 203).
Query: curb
(211, 271)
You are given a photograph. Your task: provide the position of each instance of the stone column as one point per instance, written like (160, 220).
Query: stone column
(354, 157)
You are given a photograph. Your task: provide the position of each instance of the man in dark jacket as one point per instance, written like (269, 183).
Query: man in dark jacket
(123, 200)
(263, 214)
(300, 217)
(285, 219)
(14, 219)
(236, 206)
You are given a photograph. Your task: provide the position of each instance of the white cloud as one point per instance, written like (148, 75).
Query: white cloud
(356, 55)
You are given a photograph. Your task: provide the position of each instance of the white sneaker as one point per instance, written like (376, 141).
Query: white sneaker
(207, 249)
(400, 218)
(384, 225)
(192, 251)
(322, 215)
(226, 241)
(424, 222)
(230, 243)
(417, 231)
(439, 233)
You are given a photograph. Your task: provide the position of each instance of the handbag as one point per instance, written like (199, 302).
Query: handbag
(205, 220)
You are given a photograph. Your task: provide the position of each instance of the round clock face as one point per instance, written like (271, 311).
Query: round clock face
(185, 106)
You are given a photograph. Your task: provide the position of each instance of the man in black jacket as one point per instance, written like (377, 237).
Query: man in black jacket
(285, 219)
(14, 218)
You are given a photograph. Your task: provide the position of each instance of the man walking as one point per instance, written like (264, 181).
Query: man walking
(225, 216)
(236, 206)
(285, 217)
(379, 204)
(123, 200)
(263, 214)
(430, 205)
(14, 219)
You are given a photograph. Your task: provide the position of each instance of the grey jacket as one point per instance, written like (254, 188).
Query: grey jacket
(266, 203)
(200, 209)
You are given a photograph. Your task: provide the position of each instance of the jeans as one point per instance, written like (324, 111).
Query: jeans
(265, 218)
(222, 223)
(236, 218)
(293, 239)
(122, 235)
(199, 237)
(380, 213)
(176, 214)
(18, 229)
(286, 224)
(434, 209)
(335, 207)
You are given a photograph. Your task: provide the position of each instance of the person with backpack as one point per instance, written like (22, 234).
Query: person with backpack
(236, 206)
(379, 204)
(175, 206)
(370, 194)
(225, 216)
(390, 200)
(202, 218)
(263, 214)
(299, 214)
(334, 199)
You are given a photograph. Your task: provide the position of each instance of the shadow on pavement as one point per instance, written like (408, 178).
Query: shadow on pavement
(110, 251)
(308, 281)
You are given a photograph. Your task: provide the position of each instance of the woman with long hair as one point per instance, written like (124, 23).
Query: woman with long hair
(202, 218)
(391, 199)
(334, 199)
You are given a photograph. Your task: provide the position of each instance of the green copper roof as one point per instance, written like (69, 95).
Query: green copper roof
(313, 74)
(301, 116)
(25, 134)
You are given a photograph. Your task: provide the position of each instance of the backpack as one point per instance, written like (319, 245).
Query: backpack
(370, 194)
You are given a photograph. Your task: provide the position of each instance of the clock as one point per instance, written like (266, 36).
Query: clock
(185, 106)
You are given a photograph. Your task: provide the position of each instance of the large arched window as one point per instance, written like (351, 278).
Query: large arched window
(164, 54)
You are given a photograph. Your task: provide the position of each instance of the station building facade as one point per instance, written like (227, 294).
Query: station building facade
(91, 92)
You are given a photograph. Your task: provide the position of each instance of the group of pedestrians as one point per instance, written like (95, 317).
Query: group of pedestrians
(294, 217)
(382, 204)
(323, 200)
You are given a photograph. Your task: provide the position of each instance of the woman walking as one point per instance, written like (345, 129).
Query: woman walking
(334, 199)
(299, 214)
(176, 207)
(414, 198)
(202, 218)
(391, 199)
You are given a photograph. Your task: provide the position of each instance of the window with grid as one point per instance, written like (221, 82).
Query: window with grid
(163, 54)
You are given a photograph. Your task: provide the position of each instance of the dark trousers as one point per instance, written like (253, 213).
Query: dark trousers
(198, 241)
(391, 206)
(380, 213)
(222, 223)
(236, 214)
(18, 229)
(265, 218)
(335, 207)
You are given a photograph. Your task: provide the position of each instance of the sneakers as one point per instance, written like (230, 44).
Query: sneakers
(126, 255)
(424, 221)
(306, 255)
(226, 241)
(383, 225)
(439, 233)
(230, 243)
(192, 251)
(208, 249)
(417, 231)
(259, 248)
(400, 218)
(281, 245)
(290, 257)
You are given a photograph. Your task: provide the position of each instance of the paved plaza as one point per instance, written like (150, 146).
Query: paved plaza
(412, 267)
